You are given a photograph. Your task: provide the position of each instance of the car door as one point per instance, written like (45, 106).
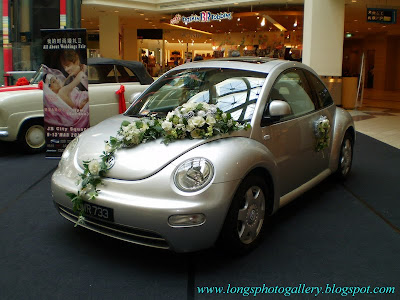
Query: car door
(104, 81)
(291, 138)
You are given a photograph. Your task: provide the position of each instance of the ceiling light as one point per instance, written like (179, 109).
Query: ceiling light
(238, 19)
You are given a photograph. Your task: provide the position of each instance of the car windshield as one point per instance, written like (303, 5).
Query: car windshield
(38, 76)
(233, 91)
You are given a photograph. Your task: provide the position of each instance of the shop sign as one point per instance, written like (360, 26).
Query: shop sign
(381, 15)
(65, 87)
(205, 16)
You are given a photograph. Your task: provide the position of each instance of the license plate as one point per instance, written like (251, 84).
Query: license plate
(98, 211)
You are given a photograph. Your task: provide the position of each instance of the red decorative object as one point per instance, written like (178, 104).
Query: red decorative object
(40, 85)
(22, 81)
(122, 104)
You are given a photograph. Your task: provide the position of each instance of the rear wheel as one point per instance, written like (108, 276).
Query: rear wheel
(246, 217)
(32, 137)
(346, 157)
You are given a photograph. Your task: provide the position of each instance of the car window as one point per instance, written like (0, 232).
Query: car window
(125, 74)
(101, 74)
(324, 98)
(232, 91)
(293, 88)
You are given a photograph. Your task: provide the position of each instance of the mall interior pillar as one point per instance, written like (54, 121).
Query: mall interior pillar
(110, 44)
(130, 44)
(323, 36)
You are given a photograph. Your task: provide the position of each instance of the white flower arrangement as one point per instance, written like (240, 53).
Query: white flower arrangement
(322, 129)
(191, 120)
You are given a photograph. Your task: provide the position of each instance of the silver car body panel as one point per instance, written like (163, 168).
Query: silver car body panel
(145, 195)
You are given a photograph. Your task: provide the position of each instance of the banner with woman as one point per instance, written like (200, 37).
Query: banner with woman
(65, 87)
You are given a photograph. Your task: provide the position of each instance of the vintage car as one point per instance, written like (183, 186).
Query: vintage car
(190, 193)
(21, 107)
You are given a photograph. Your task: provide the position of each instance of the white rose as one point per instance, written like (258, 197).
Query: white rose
(224, 116)
(108, 148)
(189, 127)
(144, 127)
(206, 106)
(230, 123)
(196, 121)
(201, 113)
(167, 126)
(94, 167)
(210, 120)
(170, 115)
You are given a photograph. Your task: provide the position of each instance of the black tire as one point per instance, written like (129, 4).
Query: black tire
(345, 157)
(246, 218)
(32, 137)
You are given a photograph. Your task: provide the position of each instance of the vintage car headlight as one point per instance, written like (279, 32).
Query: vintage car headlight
(193, 174)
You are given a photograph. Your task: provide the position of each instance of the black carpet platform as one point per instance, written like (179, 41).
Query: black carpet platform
(347, 234)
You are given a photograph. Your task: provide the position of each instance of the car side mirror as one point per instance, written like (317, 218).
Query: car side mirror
(134, 97)
(279, 108)
(276, 110)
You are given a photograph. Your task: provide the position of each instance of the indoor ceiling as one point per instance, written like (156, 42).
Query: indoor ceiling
(247, 17)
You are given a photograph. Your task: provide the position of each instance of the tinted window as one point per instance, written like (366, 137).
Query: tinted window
(293, 88)
(320, 90)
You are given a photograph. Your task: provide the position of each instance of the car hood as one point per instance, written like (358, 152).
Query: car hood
(138, 162)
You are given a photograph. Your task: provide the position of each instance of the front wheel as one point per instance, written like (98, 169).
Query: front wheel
(32, 137)
(246, 217)
(346, 157)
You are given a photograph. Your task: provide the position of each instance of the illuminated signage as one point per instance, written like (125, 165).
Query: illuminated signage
(205, 16)
(381, 15)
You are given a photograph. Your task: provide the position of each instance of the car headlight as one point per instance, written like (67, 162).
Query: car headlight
(193, 174)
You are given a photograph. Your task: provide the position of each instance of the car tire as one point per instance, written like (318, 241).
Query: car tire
(246, 218)
(32, 137)
(345, 157)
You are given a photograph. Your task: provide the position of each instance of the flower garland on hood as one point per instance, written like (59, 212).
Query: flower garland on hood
(191, 120)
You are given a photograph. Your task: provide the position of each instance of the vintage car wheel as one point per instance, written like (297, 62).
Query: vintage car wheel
(346, 157)
(32, 137)
(246, 217)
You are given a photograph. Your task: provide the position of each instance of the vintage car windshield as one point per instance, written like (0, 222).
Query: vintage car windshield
(38, 76)
(231, 90)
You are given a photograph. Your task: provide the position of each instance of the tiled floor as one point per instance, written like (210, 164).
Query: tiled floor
(382, 124)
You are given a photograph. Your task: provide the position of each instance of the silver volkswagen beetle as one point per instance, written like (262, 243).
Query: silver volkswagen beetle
(195, 192)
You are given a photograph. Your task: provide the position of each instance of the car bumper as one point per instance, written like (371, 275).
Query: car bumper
(142, 209)
(3, 133)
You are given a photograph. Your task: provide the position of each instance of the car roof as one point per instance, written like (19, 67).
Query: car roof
(251, 63)
(135, 66)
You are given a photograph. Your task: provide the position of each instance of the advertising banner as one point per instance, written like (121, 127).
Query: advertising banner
(65, 87)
